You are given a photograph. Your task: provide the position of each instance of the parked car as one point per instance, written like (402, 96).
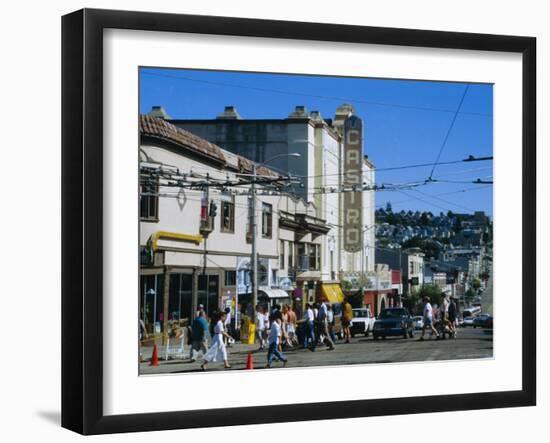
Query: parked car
(468, 321)
(418, 321)
(481, 321)
(394, 322)
(362, 322)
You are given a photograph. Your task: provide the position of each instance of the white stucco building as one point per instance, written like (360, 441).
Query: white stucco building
(195, 241)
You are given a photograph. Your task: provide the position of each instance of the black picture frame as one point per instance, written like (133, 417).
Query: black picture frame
(82, 219)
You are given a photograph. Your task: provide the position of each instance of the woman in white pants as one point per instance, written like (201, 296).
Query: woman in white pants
(217, 350)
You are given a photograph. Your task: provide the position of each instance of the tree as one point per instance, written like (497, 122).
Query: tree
(457, 226)
(476, 284)
(425, 219)
(355, 299)
(346, 285)
(414, 242)
(429, 247)
(388, 207)
(469, 295)
(429, 290)
(415, 298)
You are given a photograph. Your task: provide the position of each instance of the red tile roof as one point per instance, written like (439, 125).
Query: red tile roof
(159, 128)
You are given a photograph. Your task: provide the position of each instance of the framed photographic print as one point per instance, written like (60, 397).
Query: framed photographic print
(318, 220)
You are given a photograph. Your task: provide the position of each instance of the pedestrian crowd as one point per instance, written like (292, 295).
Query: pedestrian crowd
(279, 329)
(276, 330)
(440, 322)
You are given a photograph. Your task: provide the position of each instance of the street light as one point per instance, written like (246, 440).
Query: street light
(254, 257)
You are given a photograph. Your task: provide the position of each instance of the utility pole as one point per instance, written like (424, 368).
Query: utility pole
(254, 228)
(401, 276)
(254, 257)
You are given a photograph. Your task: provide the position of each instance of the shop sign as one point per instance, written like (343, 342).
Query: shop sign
(353, 168)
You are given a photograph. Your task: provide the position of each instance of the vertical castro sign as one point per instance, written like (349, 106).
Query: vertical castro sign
(353, 169)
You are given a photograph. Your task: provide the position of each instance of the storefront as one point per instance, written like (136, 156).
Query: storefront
(377, 300)
(331, 292)
(151, 289)
(269, 297)
(171, 295)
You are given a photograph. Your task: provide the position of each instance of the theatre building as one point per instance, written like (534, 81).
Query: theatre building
(331, 160)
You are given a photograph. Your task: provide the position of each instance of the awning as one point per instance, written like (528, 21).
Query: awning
(332, 293)
(309, 276)
(273, 293)
(159, 235)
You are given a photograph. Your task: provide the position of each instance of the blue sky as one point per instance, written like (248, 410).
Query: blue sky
(405, 123)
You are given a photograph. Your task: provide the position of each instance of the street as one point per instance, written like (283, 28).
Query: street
(470, 343)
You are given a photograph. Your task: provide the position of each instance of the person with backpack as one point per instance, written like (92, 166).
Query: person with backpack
(199, 336)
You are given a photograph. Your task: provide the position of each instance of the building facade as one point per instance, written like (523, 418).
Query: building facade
(321, 170)
(196, 232)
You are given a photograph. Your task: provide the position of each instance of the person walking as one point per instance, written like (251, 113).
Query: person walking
(199, 309)
(453, 315)
(260, 326)
(322, 318)
(199, 334)
(309, 323)
(347, 315)
(228, 327)
(217, 350)
(291, 329)
(446, 324)
(330, 321)
(285, 340)
(428, 318)
(274, 340)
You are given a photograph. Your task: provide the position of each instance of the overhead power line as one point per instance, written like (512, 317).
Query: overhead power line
(302, 94)
(449, 131)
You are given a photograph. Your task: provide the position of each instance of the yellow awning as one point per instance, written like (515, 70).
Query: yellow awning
(332, 293)
(197, 239)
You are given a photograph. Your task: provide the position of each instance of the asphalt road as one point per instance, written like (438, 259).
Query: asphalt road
(469, 344)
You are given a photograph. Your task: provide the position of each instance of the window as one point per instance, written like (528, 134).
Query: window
(180, 297)
(318, 257)
(230, 278)
(314, 257)
(227, 216)
(281, 254)
(267, 220)
(148, 197)
(290, 255)
(301, 256)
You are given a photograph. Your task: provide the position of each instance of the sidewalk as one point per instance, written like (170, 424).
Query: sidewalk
(235, 348)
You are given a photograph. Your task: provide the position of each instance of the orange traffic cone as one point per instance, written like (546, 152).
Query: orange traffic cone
(155, 357)
(249, 362)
